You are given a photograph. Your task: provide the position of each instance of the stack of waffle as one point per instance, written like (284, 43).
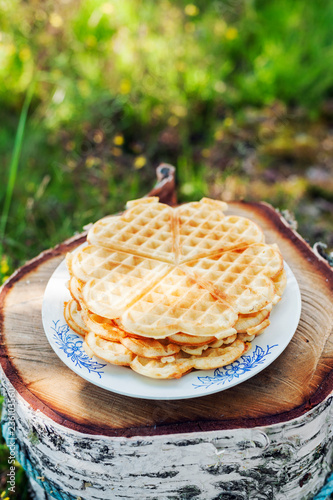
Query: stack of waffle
(167, 290)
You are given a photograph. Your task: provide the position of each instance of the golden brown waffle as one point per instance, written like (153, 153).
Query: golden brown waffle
(115, 279)
(197, 351)
(155, 298)
(247, 321)
(75, 289)
(152, 229)
(111, 330)
(145, 229)
(191, 340)
(106, 329)
(112, 352)
(159, 287)
(142, 346)
(167, 367)
(83, 322)
(241, 277)
(183, 363)
(280, 283)
(150, 348)
(73, 318)
(204, 229)
(177, 304)
(146, 347)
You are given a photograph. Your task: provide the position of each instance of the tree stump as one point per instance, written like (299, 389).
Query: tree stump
(267, 438)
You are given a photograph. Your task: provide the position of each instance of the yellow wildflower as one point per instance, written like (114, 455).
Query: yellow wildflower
(91, 161)
(25, 54)
(219, 135)
(231, 33)
(56, 20)
(173, 121)
(228, 122)
(139, 162)
(118, 140)
(125, 87)
(191, 10)
(4, 266)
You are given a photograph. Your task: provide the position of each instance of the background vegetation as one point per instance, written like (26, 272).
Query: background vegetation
(94, 94)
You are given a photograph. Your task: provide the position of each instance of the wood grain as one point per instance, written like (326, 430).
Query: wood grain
(297, 381)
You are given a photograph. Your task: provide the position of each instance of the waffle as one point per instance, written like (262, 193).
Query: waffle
(204, 229)
(167, 290)
(247, 321)
(197, 351)
(191, 340)
(183, 363)
(112, 330)
(152, 229)
(280, 283)
(145, 347)
(158, 299)
(241, 276)
(145, 229)
(75, 289)
(106, 329)
(113, 280)
(112, 352)
(74, 319)
(84, 323)
(176, 303)
(167, 367)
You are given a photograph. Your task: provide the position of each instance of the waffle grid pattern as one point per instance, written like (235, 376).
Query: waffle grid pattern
(150, 231)
(206, 232)
(190, 269)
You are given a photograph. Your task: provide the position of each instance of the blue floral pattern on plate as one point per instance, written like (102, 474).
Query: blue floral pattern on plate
(72, 345)
(236, 369)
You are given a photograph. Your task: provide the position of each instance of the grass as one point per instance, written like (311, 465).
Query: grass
(166, 84)
(235, 93)
(12, 176)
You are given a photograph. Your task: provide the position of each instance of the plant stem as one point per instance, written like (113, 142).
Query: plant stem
(14, 162)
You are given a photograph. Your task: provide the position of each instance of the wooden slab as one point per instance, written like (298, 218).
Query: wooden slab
(297, 381)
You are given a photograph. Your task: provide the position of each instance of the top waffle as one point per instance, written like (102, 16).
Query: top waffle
(160, 270)
(145, 229)
(152, 229)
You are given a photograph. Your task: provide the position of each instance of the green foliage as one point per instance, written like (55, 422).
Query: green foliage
(166, 77)
(14, 165)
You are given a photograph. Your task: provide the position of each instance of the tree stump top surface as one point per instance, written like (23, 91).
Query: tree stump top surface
(298, 380)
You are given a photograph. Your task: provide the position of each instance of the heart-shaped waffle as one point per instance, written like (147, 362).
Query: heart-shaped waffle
(204, 229)
(159, 270)
(145, 228)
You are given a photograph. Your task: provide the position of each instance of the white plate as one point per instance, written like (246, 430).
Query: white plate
(122, 380)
